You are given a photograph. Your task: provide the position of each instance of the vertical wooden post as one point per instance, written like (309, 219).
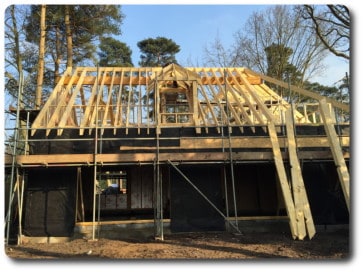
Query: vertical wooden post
(198, 130)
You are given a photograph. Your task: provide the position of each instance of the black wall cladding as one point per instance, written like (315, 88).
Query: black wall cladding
(49, 208)
(189, 210)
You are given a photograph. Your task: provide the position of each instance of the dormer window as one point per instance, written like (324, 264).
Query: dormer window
(175, 108)
(176, 92)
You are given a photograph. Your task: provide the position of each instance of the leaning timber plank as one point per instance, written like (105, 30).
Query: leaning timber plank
(289, 203)
(303, 212)
(336, 150)
(304, 92)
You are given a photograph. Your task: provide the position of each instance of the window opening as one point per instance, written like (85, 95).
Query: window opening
(112, 183)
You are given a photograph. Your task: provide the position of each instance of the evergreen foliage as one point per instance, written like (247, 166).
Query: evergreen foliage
(157, 52)
(114, 53)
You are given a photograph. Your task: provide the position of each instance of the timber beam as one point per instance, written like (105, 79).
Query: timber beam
(142, 80)
(182, 157)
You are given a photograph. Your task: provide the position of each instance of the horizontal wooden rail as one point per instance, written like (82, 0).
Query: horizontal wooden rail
(200, 157)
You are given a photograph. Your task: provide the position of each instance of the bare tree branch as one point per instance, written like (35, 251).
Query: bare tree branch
(332, 27)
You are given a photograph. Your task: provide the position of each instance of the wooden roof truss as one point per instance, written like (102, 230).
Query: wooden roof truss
(155, 97)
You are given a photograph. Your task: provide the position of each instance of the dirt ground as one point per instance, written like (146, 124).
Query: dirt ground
(185, 246)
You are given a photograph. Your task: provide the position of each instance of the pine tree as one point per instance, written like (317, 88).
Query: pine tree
(114, 53)
(157, 52)
(72, 33)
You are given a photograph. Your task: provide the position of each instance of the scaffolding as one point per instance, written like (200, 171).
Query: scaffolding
(224, 111)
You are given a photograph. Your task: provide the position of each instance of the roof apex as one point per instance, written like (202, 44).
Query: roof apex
(176, 72)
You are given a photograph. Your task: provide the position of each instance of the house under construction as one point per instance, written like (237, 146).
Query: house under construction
(187, 149)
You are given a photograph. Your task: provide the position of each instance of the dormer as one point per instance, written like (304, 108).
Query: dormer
(176, 96)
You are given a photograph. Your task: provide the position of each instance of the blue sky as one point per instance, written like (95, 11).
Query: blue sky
(194, 27)
(191, 26)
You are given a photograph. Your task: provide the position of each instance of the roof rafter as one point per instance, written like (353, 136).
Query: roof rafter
(124, 97)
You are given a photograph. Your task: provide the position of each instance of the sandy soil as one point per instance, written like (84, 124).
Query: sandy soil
(212, 245)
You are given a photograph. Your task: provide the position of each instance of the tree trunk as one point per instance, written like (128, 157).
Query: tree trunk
(69, 37)
(19, 67)
(38, 93)
(58, 57)
(19, 64)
